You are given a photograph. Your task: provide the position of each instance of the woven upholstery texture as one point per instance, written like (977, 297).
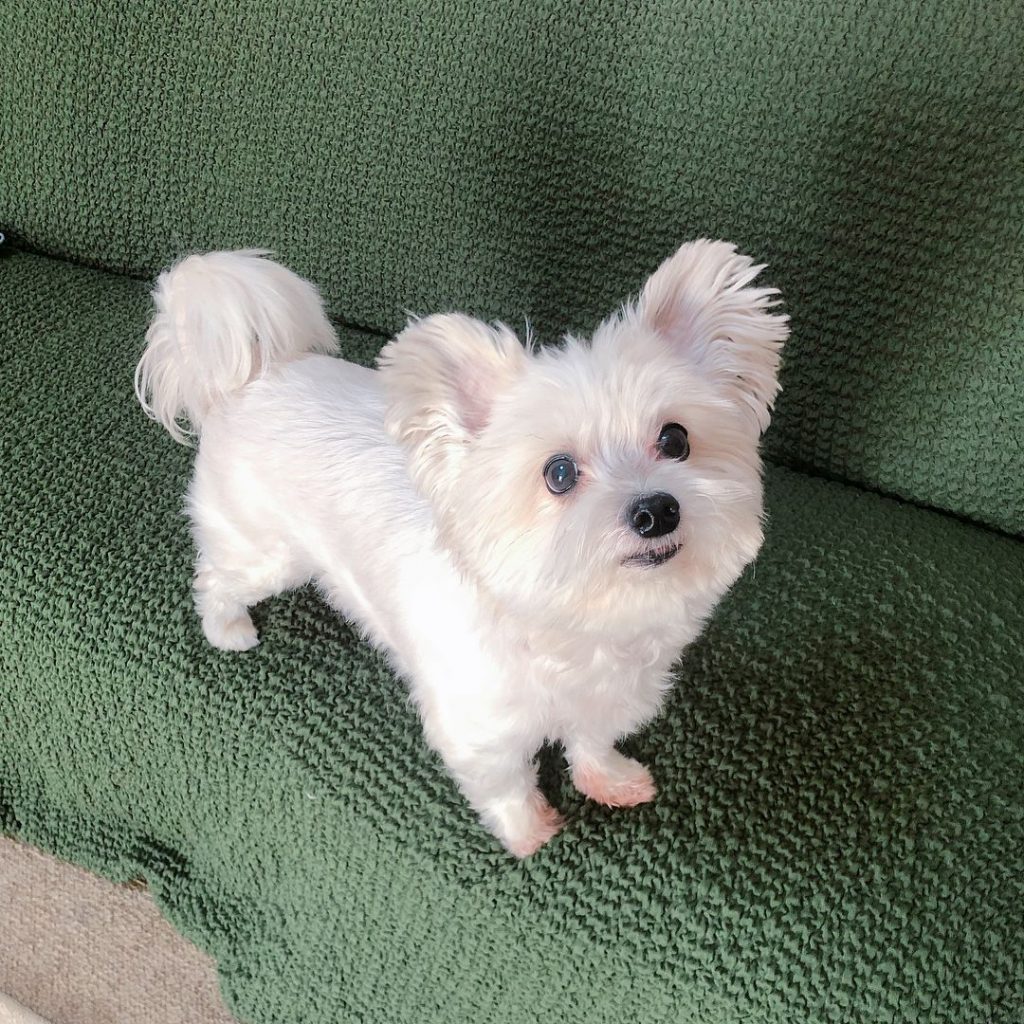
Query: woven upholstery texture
(538, 158)
(839, 831)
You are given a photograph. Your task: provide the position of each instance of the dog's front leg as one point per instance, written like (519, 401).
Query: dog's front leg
(500, 783)
(600, 772)
(475, 716)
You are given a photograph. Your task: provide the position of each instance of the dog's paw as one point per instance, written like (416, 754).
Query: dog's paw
(614, 782)
(235, 633)
(524, 828)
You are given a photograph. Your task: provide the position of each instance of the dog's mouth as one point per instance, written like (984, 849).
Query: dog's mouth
(651, 559)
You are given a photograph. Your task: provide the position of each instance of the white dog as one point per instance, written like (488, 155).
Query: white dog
(531, 534)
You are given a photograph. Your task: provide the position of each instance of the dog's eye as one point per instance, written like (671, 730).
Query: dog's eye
(560, 474)
(673, 442)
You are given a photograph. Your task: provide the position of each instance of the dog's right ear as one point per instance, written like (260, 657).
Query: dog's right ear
(442, 376)
(703, 303)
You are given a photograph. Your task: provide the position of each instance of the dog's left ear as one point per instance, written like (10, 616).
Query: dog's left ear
(442, 376)
(700, 302)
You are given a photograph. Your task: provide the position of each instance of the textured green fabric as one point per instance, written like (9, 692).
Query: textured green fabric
(538, 157)
(838, 837)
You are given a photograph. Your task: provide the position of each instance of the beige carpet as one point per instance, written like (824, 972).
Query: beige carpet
(76, 949)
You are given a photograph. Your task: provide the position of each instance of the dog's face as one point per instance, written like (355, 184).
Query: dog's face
(603, 482)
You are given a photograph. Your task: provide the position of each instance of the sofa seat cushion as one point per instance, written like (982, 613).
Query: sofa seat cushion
(838, 834)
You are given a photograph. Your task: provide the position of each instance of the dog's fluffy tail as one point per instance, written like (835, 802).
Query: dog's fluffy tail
(221, 320)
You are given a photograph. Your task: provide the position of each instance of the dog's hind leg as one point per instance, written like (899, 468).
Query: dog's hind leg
(223, 597)
(222, 602)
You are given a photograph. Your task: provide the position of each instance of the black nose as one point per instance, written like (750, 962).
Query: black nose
(654, 515)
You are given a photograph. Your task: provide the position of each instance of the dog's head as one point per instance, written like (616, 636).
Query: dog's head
(599, 481)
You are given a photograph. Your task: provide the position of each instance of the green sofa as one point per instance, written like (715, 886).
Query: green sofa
(839, 831)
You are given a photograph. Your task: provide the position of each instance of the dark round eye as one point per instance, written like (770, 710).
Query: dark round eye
(560, 474)
(673, 442)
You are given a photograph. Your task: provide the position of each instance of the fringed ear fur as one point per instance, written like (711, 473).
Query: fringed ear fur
(442, 375)
(701, 301)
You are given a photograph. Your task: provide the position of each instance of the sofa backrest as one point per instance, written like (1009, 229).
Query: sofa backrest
(539, 157)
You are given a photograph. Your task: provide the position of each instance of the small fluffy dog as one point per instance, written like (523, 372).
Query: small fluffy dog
(532, 534)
